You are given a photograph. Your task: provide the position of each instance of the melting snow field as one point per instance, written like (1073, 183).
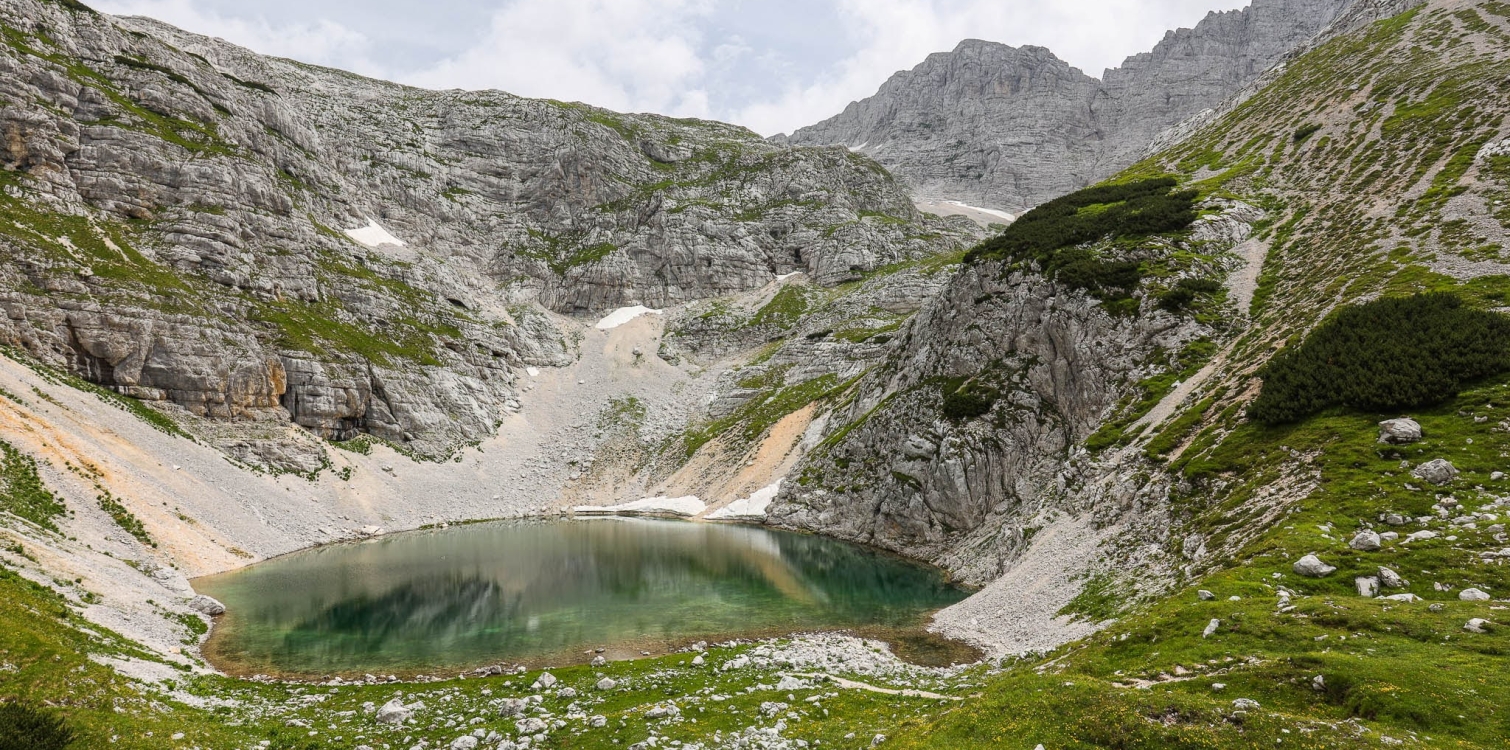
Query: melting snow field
(373, 235)
(624, 315)
(662, 506)
(750, 508)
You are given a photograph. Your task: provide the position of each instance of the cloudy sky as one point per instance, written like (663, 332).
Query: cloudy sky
(772, 65)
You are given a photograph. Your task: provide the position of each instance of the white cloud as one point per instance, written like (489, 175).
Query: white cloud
(319, 41)
(631, 55)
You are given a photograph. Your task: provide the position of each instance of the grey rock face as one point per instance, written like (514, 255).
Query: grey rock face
(1401, 431)
(207, 605)
(1311, 566)
(1012, 127)
(1438, 471)
(238, 292)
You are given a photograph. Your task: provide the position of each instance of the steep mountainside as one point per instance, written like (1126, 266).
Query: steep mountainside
(255, 239)
(1009, 128)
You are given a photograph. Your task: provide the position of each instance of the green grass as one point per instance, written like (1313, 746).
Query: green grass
(22, 492)
(124, 518)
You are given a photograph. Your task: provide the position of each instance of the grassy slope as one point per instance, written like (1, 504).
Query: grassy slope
(1361, 207)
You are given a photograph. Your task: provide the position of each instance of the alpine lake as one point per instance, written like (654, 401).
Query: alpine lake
(552, 592)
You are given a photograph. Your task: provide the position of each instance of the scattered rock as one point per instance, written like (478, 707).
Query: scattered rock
(661, 712)
(698, 661)
(1477, 625)
(1205, 595)
(1211, 628)
(531, 725)
(1438, 471)
(1421, 536)
(1390, 579)
(512, 707)
(607, 683)
(206, 605)
(1245, 704)
(1368, 586)
(1474, 595)
(1311, 566)
(466, 742)
(394, 712)
(1366, 541)
(1403, 431)
(598, 661)
(566, 692)
(544, 681)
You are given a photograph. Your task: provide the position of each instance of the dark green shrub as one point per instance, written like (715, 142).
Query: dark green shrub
(24, 727)
(964, 401)
(1185, 292)
(1385, 355)
(1049, 234)
(22, 491)
(1306, 131)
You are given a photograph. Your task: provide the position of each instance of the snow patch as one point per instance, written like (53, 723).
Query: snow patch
(785, 276)
(624, 315)
(374, 235)
(651, 506)
(750, 508)
(859, 147)
(988, 211)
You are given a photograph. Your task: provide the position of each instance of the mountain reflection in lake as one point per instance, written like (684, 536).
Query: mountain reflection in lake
(526, 591)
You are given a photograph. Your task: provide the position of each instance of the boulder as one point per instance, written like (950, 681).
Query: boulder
(1391, 580)
(466, 742)
(207, 605)
(512, 707)
(1366, 541)
(1211, 628)
(531, 725)
(1474, 595)
(1401, 431)
(566, 692)
(1438, 471)
(1477, 625)
(1311, 566)
(661, 712)
(607, 683)
(544, 681)
(393, 712)
(1205, 595)
(1368, 586)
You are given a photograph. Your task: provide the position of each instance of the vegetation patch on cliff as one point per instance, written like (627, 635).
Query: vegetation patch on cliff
(1388, 354)
(22, 492)
(1053, 234)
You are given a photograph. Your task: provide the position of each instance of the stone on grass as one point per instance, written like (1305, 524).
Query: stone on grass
(206, 605)
(1403, 431)
(545, 680)
(512, 707)
(598, 661)
(531, 725)
(1421, 536)
(1368, 586)
(1205, 595)
(1211, 628)
(661, 712)
(1390, 579)
(566, 692)
(1474, 595)
(1366, 541)
(467, 742)
(393, 712)
(1477, 625)
(607, 683)
(1245, 704)
(1438, 471)
(1311, 566)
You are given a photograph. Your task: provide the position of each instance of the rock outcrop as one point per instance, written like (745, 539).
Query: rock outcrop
(251, 238)
(1009, 128)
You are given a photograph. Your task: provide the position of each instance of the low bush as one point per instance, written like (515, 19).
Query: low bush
(1050, 234)
(1385, 355)
(1186, 291)
(23, 727)
(965, 401)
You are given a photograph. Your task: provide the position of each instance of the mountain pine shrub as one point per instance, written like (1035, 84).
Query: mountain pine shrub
(1051, 234)
(23, 727)
(1385, 355)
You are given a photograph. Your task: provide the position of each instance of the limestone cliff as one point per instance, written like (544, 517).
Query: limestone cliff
(254, 239)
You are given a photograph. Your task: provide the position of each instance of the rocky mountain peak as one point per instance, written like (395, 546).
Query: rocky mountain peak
(1010, 127)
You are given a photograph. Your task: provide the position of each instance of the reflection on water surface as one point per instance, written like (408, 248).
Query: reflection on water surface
(527, 591)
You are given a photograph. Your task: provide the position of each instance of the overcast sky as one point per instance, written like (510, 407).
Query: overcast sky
(773, 65)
